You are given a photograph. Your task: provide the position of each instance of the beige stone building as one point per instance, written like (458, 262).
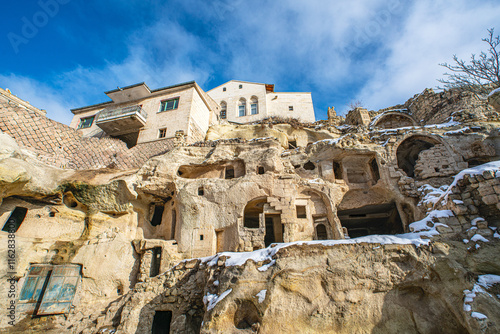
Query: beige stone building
(244, 102)
(138, 114)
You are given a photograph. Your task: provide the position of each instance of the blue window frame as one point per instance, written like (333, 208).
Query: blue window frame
(86, 122)
(49, 289)
(242, 111)
(170, 104)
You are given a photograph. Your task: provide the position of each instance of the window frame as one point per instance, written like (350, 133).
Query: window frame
(160, 133)
(223, 110)
(242, 106)
(290, 108)
(82, 122)
(254, 106)
(164, 104)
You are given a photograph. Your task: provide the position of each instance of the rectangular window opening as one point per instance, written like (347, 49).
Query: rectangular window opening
(253, 109)
(155, 262)
(260, 170)
(15, 220)
(157, 215)
(301, 211)
(201, 237)
(86, 122)
(241, 110)
(162, 133)
(290, 108)
(241, 86)
(224, 89)
(170, 104)
(201, 192)
(229, 173)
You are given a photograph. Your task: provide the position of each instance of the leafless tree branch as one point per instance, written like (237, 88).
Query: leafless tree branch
(480, 75)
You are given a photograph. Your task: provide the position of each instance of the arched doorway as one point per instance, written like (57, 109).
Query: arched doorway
(409, 149)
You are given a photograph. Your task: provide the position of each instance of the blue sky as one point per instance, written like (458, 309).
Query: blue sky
(63, 54)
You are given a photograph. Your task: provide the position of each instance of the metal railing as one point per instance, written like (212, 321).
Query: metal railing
(106, 115)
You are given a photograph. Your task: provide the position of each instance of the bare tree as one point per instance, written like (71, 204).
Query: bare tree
(355, 104)
(481, 75)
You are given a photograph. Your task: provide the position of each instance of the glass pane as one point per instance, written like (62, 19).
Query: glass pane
(53, 288)
(253, 109)
(28, 288)
(242, 110)
(68, 289)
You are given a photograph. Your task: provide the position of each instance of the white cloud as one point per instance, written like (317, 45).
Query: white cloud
(432, 33)
(381, 52)
(39, 95)
(160, 55)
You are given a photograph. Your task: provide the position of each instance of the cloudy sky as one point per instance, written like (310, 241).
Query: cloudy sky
(63, 54)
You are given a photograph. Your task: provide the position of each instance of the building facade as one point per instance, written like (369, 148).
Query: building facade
(245, 102)
(138, 114)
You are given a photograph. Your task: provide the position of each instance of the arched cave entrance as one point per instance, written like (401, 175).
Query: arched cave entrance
(371, 219)
(409, 149)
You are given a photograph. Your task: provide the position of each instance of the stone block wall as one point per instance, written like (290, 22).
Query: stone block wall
(437, 162)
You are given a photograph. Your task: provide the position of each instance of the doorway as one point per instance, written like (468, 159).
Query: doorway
(274, 229)
(161, 322)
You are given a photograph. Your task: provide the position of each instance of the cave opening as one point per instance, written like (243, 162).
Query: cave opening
(371, 219)
(408, 151)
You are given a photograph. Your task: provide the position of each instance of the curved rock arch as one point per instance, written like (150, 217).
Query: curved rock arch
(389, 118)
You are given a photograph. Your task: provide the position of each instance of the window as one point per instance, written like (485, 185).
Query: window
(241, 86)
(290, 108)
(242, 108)
(15, 220)
(169, 104)
(86, 122)
(157, 215)
(254, 110)
(229, 173)
(301, 211)
(337, 170)
(260, 170)
(223, 110)
(224, 89)
(49, 289)
(162, 133)
(201, 237)
(201, 191)
(155, 262)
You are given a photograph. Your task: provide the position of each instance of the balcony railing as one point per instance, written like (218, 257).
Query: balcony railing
(108, 115)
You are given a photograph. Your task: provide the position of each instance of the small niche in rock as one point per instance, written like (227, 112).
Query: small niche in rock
(246, 315)
(309, 166)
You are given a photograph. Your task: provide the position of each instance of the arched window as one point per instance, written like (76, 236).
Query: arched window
(242, 104)
(223, 110)
(254, 108)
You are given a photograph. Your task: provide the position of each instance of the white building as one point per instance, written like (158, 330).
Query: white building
(244, 102)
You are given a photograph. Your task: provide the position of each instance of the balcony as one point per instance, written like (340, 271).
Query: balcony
(120, 121)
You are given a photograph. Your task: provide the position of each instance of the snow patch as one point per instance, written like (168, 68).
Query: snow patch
(266, 266)
(261, 295)
(494, 91)
(210, 300)
(490, 166)
(478, 315)
(478, 237)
